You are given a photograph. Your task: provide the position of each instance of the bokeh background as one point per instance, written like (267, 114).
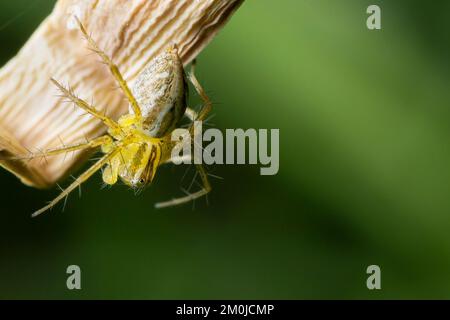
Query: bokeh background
(364, 173)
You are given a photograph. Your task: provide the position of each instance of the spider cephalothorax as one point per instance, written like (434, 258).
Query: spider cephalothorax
(140, 141)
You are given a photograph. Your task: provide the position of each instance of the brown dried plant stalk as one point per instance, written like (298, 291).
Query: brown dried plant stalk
(32, 115)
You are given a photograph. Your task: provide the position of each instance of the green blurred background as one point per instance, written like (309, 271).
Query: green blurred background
(364, 173)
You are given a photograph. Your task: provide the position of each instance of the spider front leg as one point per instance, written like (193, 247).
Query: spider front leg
(114, 70)
(190, 197)
(65, 149)
(82, 178)
(68, 93)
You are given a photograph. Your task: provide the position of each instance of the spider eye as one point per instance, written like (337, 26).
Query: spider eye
(141, 180)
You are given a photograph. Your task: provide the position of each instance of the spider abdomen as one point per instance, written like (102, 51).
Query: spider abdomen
(161, 93)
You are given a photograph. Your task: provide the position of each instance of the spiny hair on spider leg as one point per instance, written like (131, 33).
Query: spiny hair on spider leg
(215, 176)
(185, 173)
(193, 180)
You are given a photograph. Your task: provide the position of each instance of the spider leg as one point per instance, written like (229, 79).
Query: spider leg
(114, 70)
(82, 178)
(206, 188)
(64, 149)
(85, 106)
(206, 109)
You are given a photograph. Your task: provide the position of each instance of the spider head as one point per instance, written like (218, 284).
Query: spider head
(140, 164)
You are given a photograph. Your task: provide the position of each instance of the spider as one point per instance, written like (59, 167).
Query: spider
(140, 141)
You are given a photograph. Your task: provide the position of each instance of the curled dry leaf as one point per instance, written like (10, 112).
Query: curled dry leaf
(32, 115)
